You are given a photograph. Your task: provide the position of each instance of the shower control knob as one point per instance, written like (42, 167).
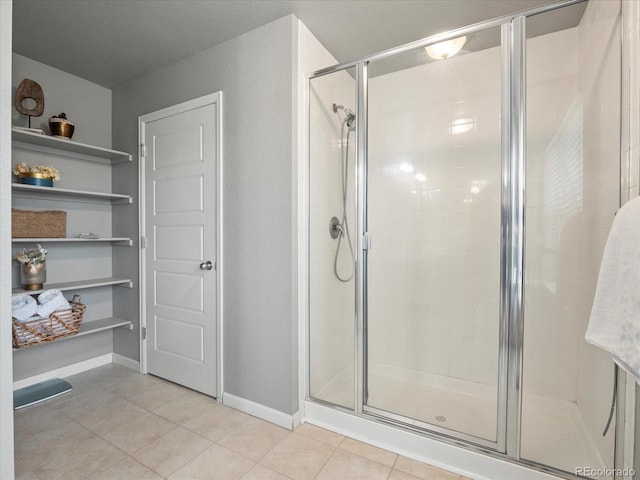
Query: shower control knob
(335, 229)
(206, 265)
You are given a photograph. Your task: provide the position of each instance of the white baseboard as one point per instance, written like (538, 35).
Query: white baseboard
(297, 419)
(126, 362)
(257, 410)
(67, 371)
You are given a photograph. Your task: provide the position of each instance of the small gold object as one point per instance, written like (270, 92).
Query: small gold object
(61, 127)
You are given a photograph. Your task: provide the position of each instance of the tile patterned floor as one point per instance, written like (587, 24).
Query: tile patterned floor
(117, 424)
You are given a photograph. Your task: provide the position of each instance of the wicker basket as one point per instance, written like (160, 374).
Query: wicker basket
(59, 324)
(38, 224)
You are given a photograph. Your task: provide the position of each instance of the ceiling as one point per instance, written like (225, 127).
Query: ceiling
(111, 41)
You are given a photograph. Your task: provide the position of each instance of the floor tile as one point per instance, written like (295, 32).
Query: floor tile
(258, 472)
(253, 438)
(128, 469)
(185, 407)
(368, 451)
(216, 462)
(116, 413)
(34, 420)
(298, 457)
(172, 451)
(150, 395)
(93, 401)
(215, 421)
(169, 431)
(398, 475)
(22, 472)
(109, 374)
(423, 470)
(50, 444)
(95, 456)
(139, 433)
(80, 385)
(325, 436)
(345, 465)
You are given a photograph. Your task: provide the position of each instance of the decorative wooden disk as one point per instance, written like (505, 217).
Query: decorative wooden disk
(30, 89)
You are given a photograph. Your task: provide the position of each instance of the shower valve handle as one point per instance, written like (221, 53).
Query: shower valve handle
(335, 228)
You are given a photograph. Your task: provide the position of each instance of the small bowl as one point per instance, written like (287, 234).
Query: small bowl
(61, 128)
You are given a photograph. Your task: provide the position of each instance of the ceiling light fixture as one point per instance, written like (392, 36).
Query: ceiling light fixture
(446, 49)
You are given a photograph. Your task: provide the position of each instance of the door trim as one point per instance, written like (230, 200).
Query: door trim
(213, 98)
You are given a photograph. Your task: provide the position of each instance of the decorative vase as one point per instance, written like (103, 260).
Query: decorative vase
(32, 178)
(33, 275)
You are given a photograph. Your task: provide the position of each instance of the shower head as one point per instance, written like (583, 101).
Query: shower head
(349, 118)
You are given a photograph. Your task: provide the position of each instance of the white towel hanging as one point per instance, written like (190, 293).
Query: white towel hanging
(615, 316)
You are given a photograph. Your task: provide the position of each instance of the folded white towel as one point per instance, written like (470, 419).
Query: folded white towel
(615, 316)
(23, 306)
(50, 301)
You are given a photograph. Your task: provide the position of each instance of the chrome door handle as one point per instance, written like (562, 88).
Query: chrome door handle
(206, 265)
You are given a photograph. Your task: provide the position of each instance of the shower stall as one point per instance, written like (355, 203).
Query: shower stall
(460, 191)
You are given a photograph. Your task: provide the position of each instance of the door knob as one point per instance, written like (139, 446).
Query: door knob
(206, 265)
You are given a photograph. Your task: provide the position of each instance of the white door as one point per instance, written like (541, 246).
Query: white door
(180, 189)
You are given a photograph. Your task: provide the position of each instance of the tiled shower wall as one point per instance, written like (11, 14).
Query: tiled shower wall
(600, 69)
(331, 302)
(554, 194)
(434, 217)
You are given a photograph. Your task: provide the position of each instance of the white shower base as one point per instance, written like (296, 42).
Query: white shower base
(553, 432)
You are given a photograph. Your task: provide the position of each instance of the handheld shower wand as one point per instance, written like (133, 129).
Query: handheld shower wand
(339, 227)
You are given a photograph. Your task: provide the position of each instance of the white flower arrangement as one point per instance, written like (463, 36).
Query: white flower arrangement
(32, 255)
(45, 171)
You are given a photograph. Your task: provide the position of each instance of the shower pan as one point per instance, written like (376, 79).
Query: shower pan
(457, 214)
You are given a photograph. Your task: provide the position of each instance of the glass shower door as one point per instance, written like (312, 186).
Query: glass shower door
(434, 218)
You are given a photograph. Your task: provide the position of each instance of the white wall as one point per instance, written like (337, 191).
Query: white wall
(256, 73)
(6, 353)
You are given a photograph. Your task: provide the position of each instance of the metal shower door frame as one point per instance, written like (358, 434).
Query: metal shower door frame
(511, 247)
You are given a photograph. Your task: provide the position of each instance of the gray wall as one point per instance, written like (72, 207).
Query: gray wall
(255, 72)
(86, 104)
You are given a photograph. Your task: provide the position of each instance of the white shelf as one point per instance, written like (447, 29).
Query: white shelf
(33, 191)
(79, 285)
(37, 142)
(126, 241)
(93, 326)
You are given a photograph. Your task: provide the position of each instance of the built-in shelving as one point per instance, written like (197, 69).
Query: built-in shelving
(37, 142)
(125, 241)
(94, 326)
(40, 143)
(80, 285)
(33, 191)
